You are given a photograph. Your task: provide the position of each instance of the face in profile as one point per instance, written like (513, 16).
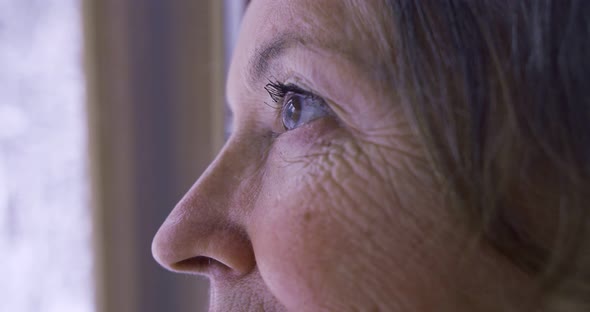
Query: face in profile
(323, 197)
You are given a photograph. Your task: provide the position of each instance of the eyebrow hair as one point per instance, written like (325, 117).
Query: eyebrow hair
(260, 62)
(270, 51)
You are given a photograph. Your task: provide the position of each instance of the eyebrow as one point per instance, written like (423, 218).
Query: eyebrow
(260, 63)
(272, 50)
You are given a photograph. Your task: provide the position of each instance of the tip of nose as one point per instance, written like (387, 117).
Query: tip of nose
(203, 254)
(197, 265)
(158, 253)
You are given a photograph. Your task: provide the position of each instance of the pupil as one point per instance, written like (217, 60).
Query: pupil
(294, 111)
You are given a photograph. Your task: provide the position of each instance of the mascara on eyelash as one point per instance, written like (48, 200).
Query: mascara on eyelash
(278, 90)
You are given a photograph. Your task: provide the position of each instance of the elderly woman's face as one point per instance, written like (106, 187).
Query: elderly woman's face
(322, 198)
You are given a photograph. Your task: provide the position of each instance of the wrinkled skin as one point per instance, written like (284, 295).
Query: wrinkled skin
(339, 214)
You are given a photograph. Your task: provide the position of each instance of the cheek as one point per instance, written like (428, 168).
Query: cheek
(298, 238)
(295, 255)
(322, 224)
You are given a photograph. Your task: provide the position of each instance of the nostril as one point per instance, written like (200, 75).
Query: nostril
(200, 265)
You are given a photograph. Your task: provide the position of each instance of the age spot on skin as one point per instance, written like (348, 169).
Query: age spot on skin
(307, 216)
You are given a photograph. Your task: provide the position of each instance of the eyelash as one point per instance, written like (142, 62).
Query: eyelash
(282, 95)
(278, 91)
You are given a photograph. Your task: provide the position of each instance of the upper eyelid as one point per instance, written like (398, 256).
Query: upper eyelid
(278, 90)
(297, 89)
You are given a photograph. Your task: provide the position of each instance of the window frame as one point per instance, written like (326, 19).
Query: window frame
(156, 119)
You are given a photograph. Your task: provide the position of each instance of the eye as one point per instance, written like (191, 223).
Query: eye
(297, 106)
(299, 109)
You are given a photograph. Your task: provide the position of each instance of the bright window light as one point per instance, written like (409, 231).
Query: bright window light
(45, 225)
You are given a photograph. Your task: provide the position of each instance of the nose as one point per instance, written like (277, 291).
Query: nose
(202, 235)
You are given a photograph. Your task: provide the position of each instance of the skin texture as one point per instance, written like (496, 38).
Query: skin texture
(340, 214)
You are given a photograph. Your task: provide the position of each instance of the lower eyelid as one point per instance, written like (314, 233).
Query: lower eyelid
(307, 134)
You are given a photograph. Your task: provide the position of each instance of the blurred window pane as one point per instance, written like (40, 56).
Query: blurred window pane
(45, 224)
